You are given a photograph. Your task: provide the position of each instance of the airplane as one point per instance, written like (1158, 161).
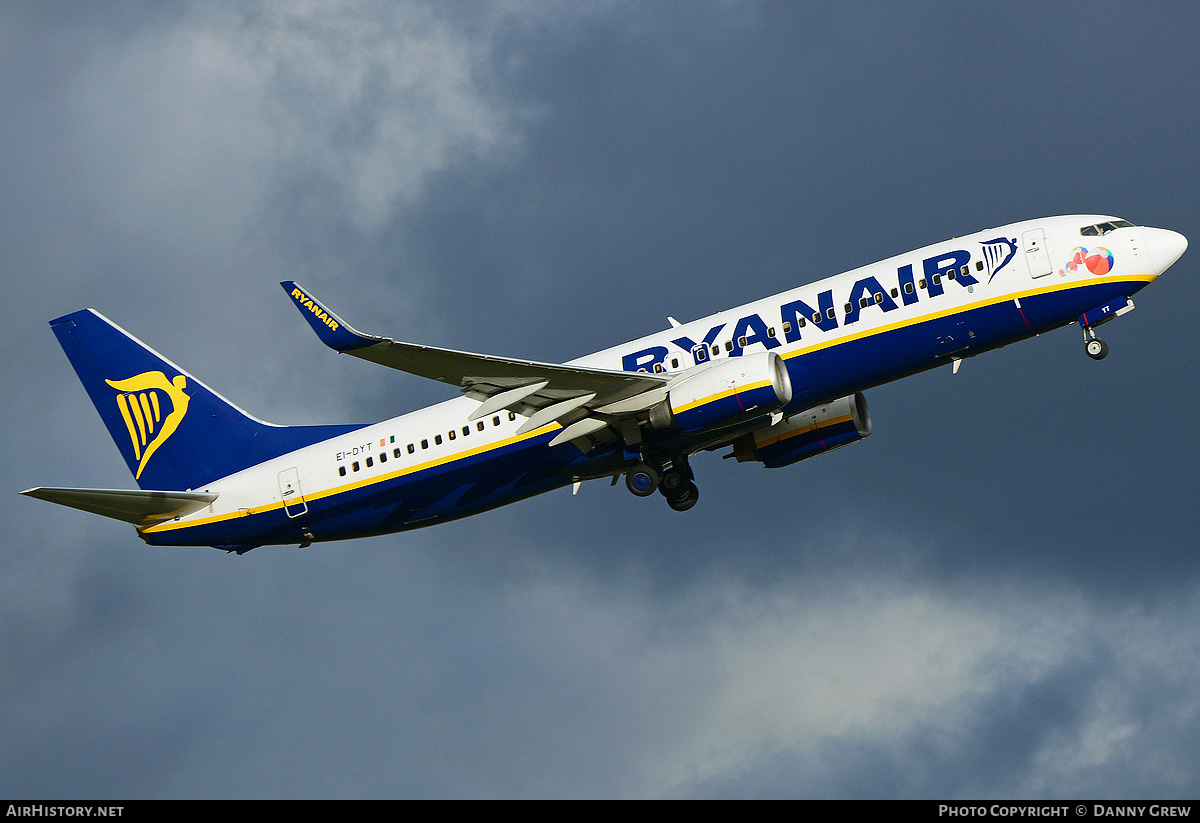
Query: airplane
(775, 381)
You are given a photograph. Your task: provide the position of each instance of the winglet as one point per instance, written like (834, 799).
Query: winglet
(333, 331)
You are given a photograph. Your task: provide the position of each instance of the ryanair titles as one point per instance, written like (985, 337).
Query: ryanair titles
(866, 293)
(308, 303)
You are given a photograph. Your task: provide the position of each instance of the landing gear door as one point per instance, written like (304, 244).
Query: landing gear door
(1037, 256)
(290, 494)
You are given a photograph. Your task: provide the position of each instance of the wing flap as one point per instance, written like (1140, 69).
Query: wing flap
(490, 404)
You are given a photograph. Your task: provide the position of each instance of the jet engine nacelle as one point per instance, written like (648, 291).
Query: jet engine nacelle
(727, 392)
(807, 434)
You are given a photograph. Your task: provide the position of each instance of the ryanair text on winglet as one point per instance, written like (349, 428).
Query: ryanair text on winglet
(308, 303)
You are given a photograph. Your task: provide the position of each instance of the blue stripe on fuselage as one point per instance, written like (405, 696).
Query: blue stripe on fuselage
(512, 471)
(838, 368)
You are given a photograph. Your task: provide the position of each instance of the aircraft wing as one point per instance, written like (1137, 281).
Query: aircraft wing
(582, 400)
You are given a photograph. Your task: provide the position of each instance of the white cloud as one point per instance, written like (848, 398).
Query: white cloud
(205, 117)
(735, 676)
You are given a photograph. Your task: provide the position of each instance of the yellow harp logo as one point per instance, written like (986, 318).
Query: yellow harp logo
(140, 401)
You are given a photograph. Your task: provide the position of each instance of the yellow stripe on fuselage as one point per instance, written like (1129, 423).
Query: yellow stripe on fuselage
(979, 304)
(358, 484)
(800, 350)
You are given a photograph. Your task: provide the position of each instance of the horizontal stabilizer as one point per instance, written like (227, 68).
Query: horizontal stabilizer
(140, 508)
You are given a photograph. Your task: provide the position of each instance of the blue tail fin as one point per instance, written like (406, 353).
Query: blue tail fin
(173, 431)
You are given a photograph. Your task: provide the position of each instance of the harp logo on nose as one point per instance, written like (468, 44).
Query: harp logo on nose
(152, 407)
(997, 253)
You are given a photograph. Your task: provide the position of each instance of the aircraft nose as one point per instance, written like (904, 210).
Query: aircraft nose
(1165, 247)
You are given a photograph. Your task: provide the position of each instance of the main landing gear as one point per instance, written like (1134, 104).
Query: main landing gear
(673, 482)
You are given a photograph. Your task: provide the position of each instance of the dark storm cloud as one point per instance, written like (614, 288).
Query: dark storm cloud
(992, 595)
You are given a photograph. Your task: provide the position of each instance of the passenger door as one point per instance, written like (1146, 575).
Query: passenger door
(1037, 256)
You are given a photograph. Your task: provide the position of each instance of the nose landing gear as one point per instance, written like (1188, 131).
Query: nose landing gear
(1096, 348)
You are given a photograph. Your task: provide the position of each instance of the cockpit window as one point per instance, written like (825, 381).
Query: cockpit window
(1104, 228)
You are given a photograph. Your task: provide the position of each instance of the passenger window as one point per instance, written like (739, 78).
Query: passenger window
(787, 326)
(937, 278)
(800, 323)
(674, 362)
(354, 465)
(466, 430)
(496, 420)
(728, 345)
(383, 457)
(370, 462)
(424, 444)
(908, 288)
(479, 426)
(921, 282)
(978, 265)
(396, 452)
(452, 434)
(771, 332)
(658, 368)
(895, 292)
(437, 440)
(847, 309)
(411, 448)
(512, 416)
(716, 351)
(863, 302)
(878, 297)
(742, 342)
(829, 313)
(341, 471)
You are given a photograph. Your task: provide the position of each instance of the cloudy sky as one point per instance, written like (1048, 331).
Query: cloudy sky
(995, 595)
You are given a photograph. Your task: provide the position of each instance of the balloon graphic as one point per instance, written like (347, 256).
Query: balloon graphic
(1099, 261)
